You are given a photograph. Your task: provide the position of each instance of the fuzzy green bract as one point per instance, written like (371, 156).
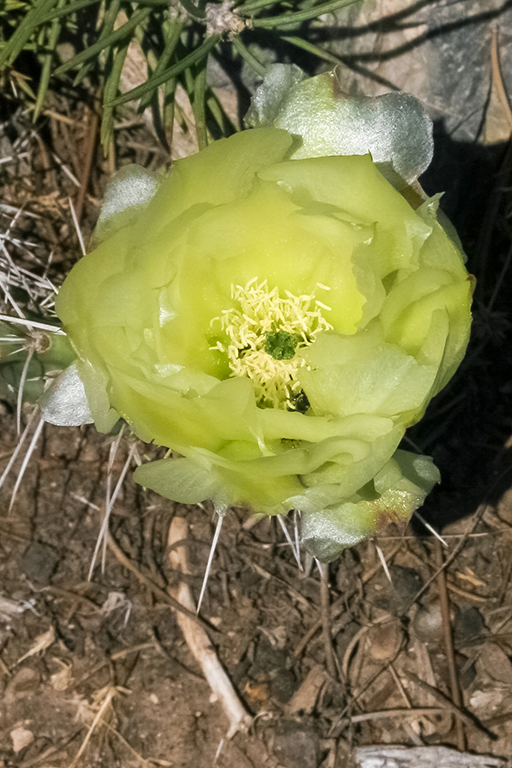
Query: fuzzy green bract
(278, 323)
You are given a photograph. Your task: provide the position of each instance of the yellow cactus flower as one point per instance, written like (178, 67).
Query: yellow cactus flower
(277, 323)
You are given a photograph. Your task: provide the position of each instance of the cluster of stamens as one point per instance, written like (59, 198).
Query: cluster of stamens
(263, 333)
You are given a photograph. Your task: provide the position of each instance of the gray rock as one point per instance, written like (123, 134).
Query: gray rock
(39, 562)
(296, 745)
(469, 626)
(440, 52)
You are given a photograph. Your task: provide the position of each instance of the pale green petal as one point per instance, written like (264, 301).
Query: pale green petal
(64, 402)
(350, 469)
(398, 489)
(355, 187)
(387, 383)
(128, 192)
(97, 390)
(218, 175)
(394, 128)
(178, 479)
(377, 305)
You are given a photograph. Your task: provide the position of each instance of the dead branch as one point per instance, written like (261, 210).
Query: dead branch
(199, 642)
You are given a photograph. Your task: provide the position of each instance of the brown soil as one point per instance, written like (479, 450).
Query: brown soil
(70, 646)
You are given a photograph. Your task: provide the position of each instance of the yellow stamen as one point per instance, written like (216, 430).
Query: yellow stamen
(262, 311)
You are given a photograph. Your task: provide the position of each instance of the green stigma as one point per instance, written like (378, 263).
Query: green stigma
(281, 345)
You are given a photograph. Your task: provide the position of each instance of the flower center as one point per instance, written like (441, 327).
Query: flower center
(264, 331)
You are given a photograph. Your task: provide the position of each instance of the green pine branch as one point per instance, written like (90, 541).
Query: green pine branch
(176, 42)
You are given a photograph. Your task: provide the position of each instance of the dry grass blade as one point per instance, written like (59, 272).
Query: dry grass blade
(466, 718)
(154, 588)
(41, 644)
(109, 695)
(471, 528)
(448, 642)
(385, 713)
(337, 607)
(325, 602)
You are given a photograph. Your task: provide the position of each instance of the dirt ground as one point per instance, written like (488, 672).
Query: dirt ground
(74, 649)
(94, 669)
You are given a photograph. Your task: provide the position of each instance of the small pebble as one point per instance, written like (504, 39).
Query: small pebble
(407, 582)
(493, 662)
(469, 626)
(283, 685)
(385, 640)
(24, 682)
(296, 745)
(428, 623)
(39, 562)
(21, 738)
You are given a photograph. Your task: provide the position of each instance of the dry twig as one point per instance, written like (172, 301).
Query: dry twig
(197, 639)
(90, 145)
(326, 618)
(448, 643)
(337, 607)
(448, 704)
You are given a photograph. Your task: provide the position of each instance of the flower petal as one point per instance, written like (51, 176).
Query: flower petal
(399, 488)
(127, 194)
(65, 403)
(394, 128)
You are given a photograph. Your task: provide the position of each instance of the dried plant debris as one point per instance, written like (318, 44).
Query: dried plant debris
(126, 675)
(421, 757)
